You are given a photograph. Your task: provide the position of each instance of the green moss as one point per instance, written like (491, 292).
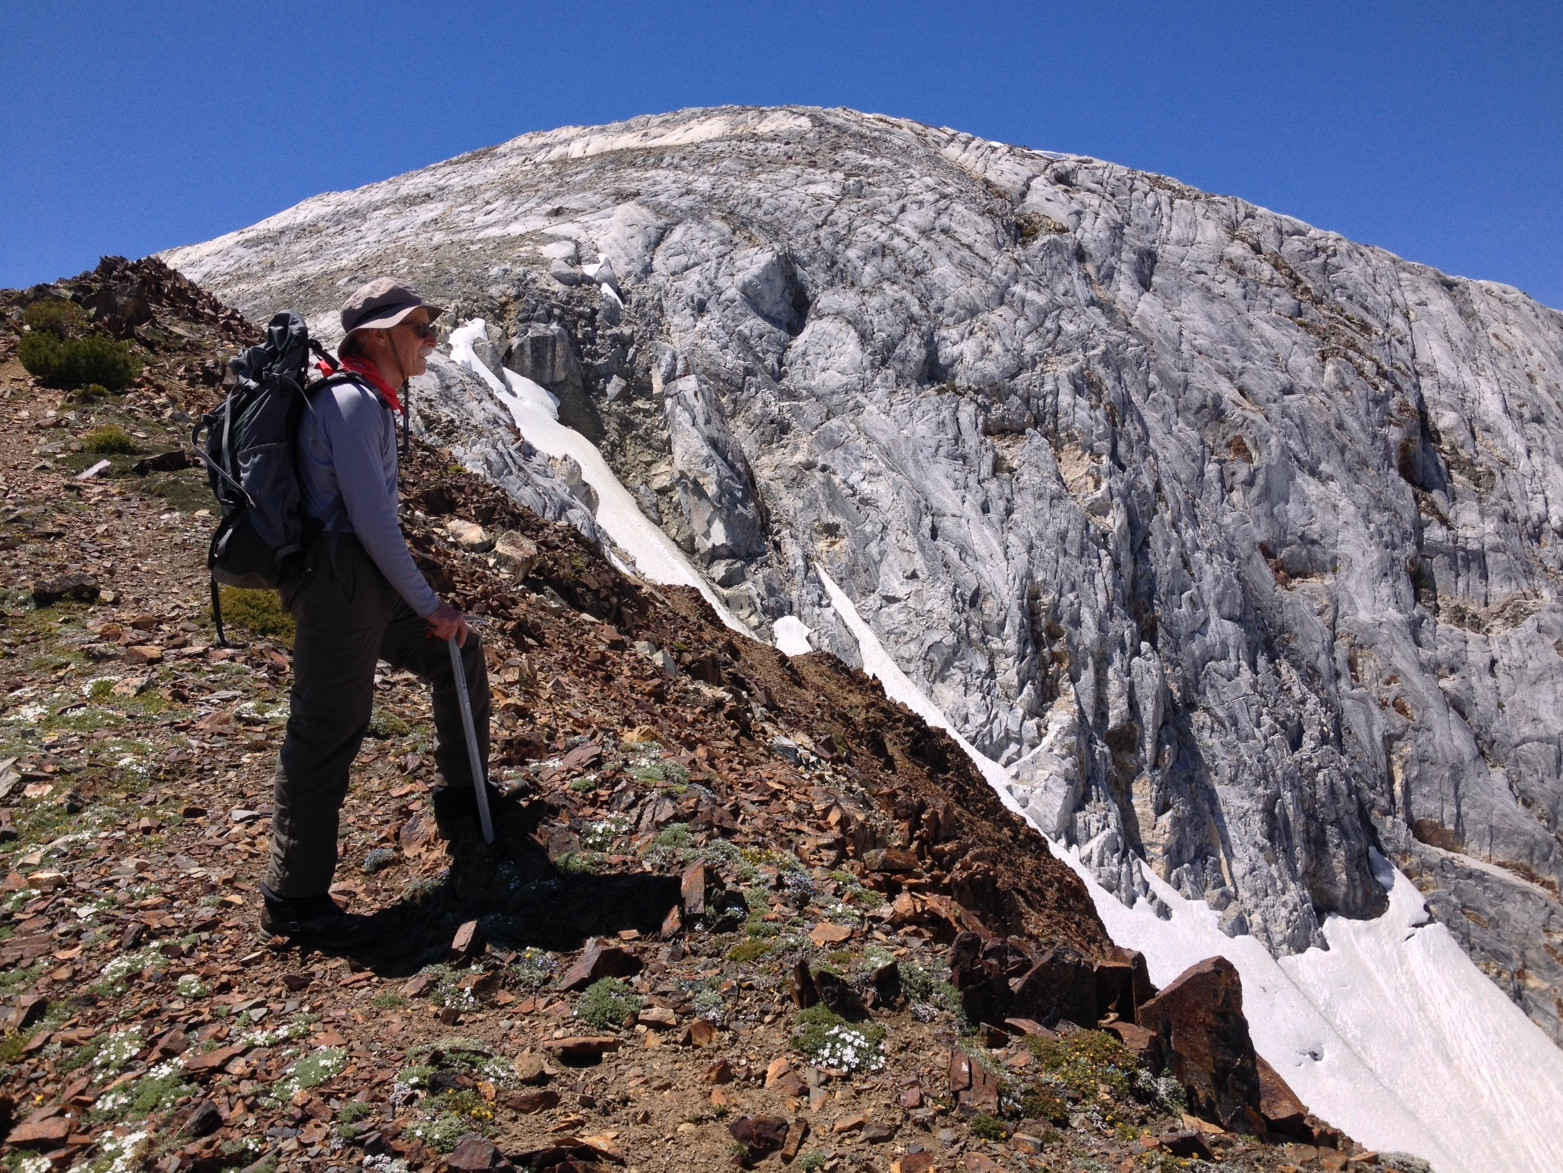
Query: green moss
(110, 440)
(417, 1076)
(988, 1127)
(155, 1093)
(385, 726)
(1043, 1102)
(609, 1003)
(674, 835)
(387, 1001)
(581, 863)
(260, 613)
(750, 951)
(1082, 1062)
(443, 1132)
(353, 1112)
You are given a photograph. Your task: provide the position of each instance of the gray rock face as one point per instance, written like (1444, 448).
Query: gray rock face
(1239, 541)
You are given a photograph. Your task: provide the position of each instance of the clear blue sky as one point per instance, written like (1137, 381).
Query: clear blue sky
(1433, 129)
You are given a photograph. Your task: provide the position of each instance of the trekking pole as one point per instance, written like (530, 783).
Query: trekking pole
(479, 785)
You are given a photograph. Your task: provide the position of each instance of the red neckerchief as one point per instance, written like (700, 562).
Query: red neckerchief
(366, 369)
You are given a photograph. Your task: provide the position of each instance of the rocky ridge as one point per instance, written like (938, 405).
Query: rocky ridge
(1237, 540)
(711, 842)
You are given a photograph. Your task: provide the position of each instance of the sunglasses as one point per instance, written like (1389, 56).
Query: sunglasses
(425, 331)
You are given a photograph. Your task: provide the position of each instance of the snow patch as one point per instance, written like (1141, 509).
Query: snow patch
(792, 636)
(536, 413)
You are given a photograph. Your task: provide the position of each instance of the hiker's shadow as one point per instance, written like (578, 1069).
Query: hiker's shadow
(520, 898)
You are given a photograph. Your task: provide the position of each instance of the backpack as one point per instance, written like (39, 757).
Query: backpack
(250, 452)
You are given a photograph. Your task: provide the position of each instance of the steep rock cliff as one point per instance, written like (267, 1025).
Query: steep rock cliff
(1238, 541)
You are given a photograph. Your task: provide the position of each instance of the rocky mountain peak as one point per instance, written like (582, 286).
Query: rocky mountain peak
(1236, 541)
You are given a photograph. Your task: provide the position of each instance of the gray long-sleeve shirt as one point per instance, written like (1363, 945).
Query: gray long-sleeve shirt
(347, 467)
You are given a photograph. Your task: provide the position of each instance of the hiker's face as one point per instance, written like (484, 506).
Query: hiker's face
(411, 345)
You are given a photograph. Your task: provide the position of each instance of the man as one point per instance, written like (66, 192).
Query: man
(358, 598)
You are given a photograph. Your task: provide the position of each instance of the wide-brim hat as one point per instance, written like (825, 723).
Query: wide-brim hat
(381, 304)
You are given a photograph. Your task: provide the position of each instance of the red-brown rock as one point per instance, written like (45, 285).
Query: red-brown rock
(599, 961)
(1205, 1036)
(1279, 1105)
(474, 1154)
(761, 1135)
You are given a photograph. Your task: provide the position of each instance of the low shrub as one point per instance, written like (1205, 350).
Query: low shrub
(112, 440)
(609, 1003)
(258, 612)
(68, 363)
(63, 319)
(831, 1041)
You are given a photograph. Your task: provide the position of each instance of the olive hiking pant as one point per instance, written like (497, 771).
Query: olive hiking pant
(349, 618)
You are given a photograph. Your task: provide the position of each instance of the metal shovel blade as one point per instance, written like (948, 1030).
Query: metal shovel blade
(479, 786)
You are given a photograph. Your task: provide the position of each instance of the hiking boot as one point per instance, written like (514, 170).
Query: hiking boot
(456, 809)
(318, 921)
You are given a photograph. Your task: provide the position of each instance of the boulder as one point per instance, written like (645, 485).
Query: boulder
(1199, 1018)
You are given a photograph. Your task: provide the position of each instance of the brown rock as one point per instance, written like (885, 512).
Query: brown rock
(1205, 1036)
(529, 1103)
(980, 1163)
(144, 654)
(1123, 983)
(418, 986)
(852, 1122)
(1187, 1144)
(29, 1009)
(692, 890)
(1144, 1043)
(886, 983)
(993, 1037)
(826, 934)
(582, 1048)
(465, 943)
(475, 1154)
(1279, 1105)
(1061, 983)
(875, 1132)
(658, 1016)
(216, 1060)
(599, 961)
(960, 1071)
(200, 1119)
(895, 860)
(719, 1072)
(797, 1133)
(804, 991)
(672, 923)
(836, 993)
(1030, 1026)
(975, 1088)
(918, 1162)
(79, 588)
(761, 1135)
(38, 1130)
(699, 1033)
(912, 1098)
(529, 1068)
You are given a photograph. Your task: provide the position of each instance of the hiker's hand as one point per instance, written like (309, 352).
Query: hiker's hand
(446, 623)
